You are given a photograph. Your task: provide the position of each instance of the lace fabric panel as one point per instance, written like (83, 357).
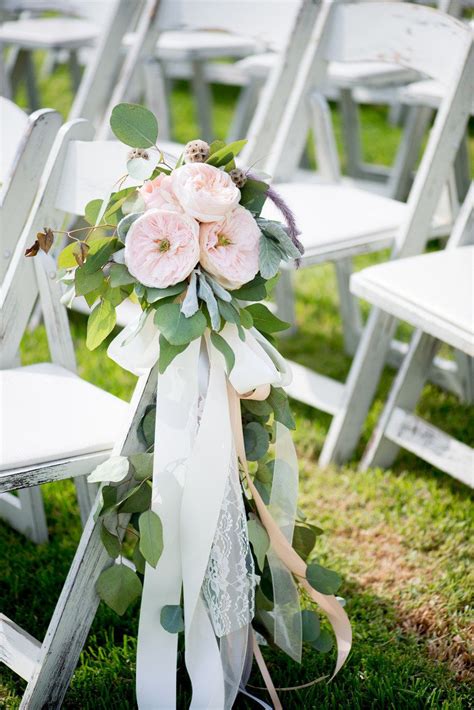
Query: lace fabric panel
(229, 584)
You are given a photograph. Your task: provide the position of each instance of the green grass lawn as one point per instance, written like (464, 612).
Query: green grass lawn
(400, 538)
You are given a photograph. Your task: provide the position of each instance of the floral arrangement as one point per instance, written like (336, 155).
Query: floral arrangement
(188, 242)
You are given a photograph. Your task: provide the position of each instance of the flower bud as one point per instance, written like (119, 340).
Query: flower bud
(238, 177)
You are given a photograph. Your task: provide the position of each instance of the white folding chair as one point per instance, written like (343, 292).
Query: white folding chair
(435, 294)
(340, 221)
(38, 440)
(76, 170)
(78, 25)
(25, 143)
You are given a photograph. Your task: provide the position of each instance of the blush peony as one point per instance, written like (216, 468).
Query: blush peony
(229, 248)
(162, 248)
(159, 193)
(205, 192)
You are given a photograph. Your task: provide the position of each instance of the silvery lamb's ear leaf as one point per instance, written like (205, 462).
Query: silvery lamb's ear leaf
(125, 224)
(219, 290)
(190, 304)
(269, 257)
(205, 292)
(278, 233)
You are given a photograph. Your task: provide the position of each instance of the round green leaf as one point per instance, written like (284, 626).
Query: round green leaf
(134, 125)
(171, 618)
(110, 542)
(310, 624)
(176, 328)
(114, 470)
(256, 441)
(324, 642)
(142, 466)
(322, 579)
(151, 537)
(118, 586)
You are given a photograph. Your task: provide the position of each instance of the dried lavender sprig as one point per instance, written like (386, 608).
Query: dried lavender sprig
(280, 204)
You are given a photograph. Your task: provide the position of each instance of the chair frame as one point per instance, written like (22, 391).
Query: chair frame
(350, 403)
(397, 426)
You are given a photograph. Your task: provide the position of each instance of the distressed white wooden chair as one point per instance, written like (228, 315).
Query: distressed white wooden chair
(25, 143)
(77, 170)
(434, 293)
(339, 221)
(79, 25)
(37, 441)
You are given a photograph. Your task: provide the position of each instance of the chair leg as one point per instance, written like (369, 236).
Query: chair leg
(77, 604)
(74, 70)
(203, 96)
(285, 299)
(156, 95)
(400, 179)
(349, 306)
(86, 494)
(25, 513)
(465, 373)
(245, 109)
(359, 390)
(404, 394)
(351, 129)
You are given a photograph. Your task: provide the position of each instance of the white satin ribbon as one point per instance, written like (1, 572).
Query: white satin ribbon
(194, 454)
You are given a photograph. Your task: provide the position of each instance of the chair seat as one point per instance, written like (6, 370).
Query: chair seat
(175, 45)
(433, 292)
(48, 32)
(337, 218)
(425, 93)
(48, 413)
(341, 74)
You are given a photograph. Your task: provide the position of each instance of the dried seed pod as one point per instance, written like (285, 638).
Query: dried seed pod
(196, 151)
(238, 177)
(138, 153)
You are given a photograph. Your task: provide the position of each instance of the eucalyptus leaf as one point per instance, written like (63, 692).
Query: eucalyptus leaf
(304, 540)
(120, 276)
(142, 466)
(142, 167)
(125, 223)
(322, 579)
(264, 320)
(261, 408)
(324, 642)
(147, 426)
(110, 542)
(92, 210)
(254, 290)
(157, 294)
(278, 400)
(176, 328)
(168, 353)
(310, 625)
(100, 251)
(86, 283)
(259, 540)
(134, 125)
(109, 499)
(171, 618)
(151, 537)
(137, 499)
(100, 324)
(138, 559)
(256, 441)
(114, 470)
(118, 586)
(223, 346)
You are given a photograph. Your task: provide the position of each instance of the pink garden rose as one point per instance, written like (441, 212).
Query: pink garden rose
(229, 248)
(162, 247)
(159, 193)
(205, 192)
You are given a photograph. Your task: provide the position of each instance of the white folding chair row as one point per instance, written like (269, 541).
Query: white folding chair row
(53, 424)
(435, 294)
(76, 607)
(339, 222)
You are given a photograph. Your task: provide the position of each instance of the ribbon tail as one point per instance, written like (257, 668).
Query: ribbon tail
(328, 603)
